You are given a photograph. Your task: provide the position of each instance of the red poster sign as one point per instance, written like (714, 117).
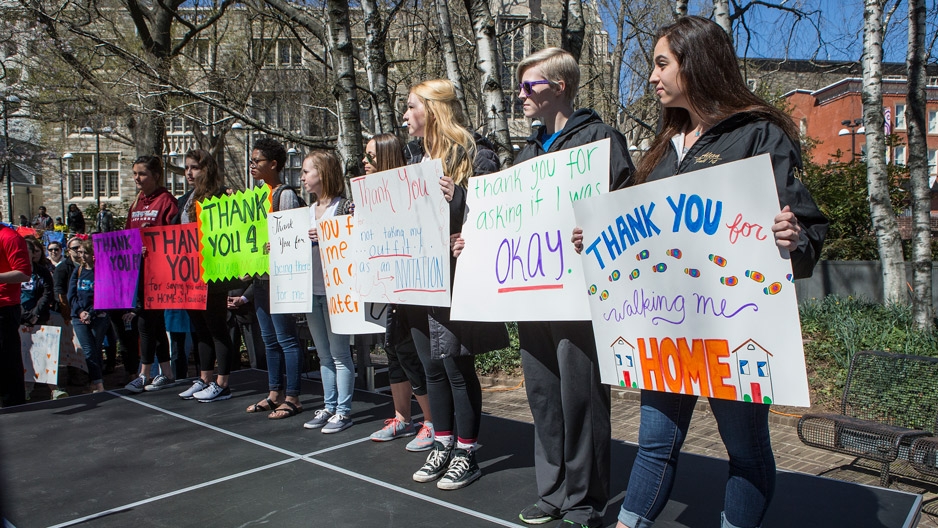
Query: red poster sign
(173, 266)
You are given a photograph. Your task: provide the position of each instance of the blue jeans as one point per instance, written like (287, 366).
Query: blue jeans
(278, 331)
(335, 359)
(744, 428)
(91, 336)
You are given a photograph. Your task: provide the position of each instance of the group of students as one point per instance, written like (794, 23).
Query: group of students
(706, 109)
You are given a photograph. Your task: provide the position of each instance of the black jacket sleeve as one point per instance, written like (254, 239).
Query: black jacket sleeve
(786, 163)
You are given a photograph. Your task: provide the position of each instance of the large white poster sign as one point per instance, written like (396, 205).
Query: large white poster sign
(519, 263)
(403, 236)
(40, 349)
(347, 312)
(291, 261)
(688, 291)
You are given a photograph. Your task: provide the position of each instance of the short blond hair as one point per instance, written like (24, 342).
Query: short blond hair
(556, 65)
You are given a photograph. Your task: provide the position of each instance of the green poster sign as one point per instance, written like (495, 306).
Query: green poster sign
(233, 234)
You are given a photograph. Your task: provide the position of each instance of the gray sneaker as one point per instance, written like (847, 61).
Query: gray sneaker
(319, 419)
(338, 422)
(160, 382)
(136, 385)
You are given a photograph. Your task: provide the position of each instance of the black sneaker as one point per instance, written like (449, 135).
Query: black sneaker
(462, 471)
(533, 514)
(437, 463)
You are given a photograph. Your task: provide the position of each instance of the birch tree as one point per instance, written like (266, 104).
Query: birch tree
(344, 89)
(450, 59)
(376, 62)
(493, 97)
(922, 309)
(885, 224)
(721, 15)
(680, 8)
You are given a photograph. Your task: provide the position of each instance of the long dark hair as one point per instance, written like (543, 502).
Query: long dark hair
(712, 82)
(389, 151)
(209, 184)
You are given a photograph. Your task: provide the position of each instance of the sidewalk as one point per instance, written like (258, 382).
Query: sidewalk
(507, 399)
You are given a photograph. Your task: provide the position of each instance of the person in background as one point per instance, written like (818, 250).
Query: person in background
(54, 252)
(104, 223)
(24, 222)
(447, 348)
(405, 371)
(323, 180)
(75, 219)
(284, 358)
(90, 326)
(42, 220)
(210, 329)
(60, 225)
(37, 299)
(569, 404)
(709, 113)
(15, 269)
(153, 206)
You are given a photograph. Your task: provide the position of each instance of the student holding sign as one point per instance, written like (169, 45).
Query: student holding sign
(153, 206)
(210, 326)
(90, 326)
(710, 117)
(323, 179)
(405, 372)
(284, 360)
(15, 268)
(569, 405)
(447, 348)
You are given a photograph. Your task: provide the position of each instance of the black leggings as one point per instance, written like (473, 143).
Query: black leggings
(210, 330)
(153, 340)
(452, 383)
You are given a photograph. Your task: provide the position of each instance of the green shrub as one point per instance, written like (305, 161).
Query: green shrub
(835, 328)
(506, 360)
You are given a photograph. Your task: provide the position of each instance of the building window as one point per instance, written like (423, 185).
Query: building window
(281, 52)
(81, 176)
(932, 161)
(900, 116)
(175, 181)
(933, 121)
(752, 84)
(900, 155)
(803, 126)
(291, 172)
(512, 47)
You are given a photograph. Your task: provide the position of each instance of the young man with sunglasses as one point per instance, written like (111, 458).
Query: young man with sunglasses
(569, 405)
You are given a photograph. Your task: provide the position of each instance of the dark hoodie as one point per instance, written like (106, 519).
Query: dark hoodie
(583, 127)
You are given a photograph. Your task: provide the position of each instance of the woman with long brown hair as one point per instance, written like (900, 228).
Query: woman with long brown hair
(153, 206)
(405, 372)
(210, 326)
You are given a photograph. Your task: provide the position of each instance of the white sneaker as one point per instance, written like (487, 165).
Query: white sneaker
(196, 387)
(212, 393)
(136, 385)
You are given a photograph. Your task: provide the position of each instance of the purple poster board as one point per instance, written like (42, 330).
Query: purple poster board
(116, 268)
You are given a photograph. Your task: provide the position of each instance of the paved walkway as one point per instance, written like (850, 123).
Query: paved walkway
(507, 398)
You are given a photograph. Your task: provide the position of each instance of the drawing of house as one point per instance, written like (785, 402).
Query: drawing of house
(753, 375)
(626, 369)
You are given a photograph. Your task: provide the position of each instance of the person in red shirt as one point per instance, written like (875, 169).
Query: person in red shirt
(15, 268)
(154, 206)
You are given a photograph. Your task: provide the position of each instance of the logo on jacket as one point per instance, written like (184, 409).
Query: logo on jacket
(709, 157)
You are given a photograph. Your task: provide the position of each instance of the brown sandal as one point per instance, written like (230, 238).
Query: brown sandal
(285, 412)
(258, 407)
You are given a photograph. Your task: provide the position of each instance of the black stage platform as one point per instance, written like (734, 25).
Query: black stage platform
(122, 460)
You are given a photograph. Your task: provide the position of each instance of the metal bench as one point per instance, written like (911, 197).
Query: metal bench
(890, 401)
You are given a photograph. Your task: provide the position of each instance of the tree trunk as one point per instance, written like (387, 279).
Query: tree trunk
(450, 58)
(493, 97)
(922, 311)
(573, 28)
(344, 90)
(721, 15)
(376, 66)
(885, 224)
(680, 8)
